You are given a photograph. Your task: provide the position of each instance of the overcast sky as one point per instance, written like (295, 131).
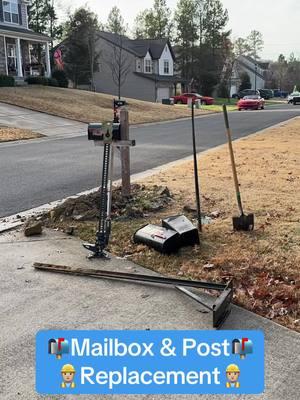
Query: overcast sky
(277, 20)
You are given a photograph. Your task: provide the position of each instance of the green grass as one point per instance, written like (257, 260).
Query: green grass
(218, 103)
(221, 101)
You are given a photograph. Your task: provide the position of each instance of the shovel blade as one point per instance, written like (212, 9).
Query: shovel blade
(243, 222)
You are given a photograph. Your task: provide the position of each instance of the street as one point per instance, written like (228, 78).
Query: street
(43, 170)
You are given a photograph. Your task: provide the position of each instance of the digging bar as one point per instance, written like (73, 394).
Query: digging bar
(220, 308)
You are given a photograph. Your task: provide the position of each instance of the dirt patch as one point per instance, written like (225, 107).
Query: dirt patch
(142, 202)
(11, 134)
(85, 106)
(264, 264)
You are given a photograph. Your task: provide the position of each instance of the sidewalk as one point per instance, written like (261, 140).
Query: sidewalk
(46, 124)
(33, 300)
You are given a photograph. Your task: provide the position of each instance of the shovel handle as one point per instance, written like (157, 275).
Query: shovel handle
(234, 172)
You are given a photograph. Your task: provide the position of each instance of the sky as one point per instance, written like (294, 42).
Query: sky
(277, 20)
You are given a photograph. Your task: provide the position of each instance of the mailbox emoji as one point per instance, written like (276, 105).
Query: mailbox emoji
(242, 347)
(58, 347)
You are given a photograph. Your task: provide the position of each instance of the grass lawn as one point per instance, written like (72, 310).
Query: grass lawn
(264, 263)
(218, 103)
(11, 134)
(87, 106)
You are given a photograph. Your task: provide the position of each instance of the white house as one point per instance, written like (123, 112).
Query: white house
(255, 69)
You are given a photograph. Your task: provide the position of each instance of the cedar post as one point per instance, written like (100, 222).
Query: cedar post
(125, 153)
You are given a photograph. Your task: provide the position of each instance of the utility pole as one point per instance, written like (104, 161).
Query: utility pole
(255, 74)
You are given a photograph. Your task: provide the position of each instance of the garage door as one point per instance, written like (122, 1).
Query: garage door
(162, 93)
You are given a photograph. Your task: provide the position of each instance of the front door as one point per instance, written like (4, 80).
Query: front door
(12, 59)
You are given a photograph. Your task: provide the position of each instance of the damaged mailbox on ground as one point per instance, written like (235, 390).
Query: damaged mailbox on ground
(175, 232)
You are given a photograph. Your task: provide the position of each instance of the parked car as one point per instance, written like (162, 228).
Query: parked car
(254, 102)
(280, 93)
(266, 93)
(296, 100)
(291, 96)
(245, 92)
(183, 98)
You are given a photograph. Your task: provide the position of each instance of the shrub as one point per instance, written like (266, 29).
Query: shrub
(37, 80)
(7, 80)
(53, 82)
(245, 81)
(61, 78)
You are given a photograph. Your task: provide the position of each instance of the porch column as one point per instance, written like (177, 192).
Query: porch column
(5, 54)
(19, 58)
(47, 59)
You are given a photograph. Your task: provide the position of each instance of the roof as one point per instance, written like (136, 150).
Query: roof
(161, 78)
(24, 32)
(253, 70)
(138, 47)
(264, 64)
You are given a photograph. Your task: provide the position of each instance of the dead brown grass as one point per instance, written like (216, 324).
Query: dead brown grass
(11, 134)
(264, 264)
(87, 106)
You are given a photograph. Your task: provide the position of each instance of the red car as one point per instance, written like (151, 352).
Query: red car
(251, 103)
(183, 98)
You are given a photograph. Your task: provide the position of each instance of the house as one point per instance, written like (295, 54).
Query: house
(148, 65)
(18, 44)
(257, 71)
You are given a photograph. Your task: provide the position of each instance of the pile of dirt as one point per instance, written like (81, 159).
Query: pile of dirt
(143, 200)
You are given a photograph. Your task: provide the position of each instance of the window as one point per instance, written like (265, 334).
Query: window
(166, 67)
(11, 11)
(148, 66)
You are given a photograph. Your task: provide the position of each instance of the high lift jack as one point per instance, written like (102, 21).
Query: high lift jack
(108, 135)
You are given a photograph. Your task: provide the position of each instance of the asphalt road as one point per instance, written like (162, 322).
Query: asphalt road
(36, 172)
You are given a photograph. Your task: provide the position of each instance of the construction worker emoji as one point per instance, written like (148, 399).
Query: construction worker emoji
(232, 375)
(68, 373)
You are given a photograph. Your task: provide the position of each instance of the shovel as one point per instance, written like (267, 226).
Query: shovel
(243, 222)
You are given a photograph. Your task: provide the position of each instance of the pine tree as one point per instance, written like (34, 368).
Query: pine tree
(255, 44)
(241, 47)
(215, 21)
(154, 23)
(115, 22)
(81, 57)
(186, 28)
(117, 61)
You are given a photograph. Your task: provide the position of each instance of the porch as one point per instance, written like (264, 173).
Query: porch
(24, 54)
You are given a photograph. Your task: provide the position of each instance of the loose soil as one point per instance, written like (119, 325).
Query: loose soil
(8, 134)
(264, 264)
(85, 106)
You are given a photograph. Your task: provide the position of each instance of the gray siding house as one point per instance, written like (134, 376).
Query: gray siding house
(17, 41)
(149, 66)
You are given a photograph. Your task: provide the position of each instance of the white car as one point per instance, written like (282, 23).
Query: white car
(291, 97)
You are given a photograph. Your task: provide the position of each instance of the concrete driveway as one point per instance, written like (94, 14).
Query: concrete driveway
(32, 300)
(46, 124)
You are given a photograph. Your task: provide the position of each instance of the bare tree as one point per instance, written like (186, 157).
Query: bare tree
(119, 64)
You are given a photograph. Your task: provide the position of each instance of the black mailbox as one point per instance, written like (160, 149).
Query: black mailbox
(119, 103)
